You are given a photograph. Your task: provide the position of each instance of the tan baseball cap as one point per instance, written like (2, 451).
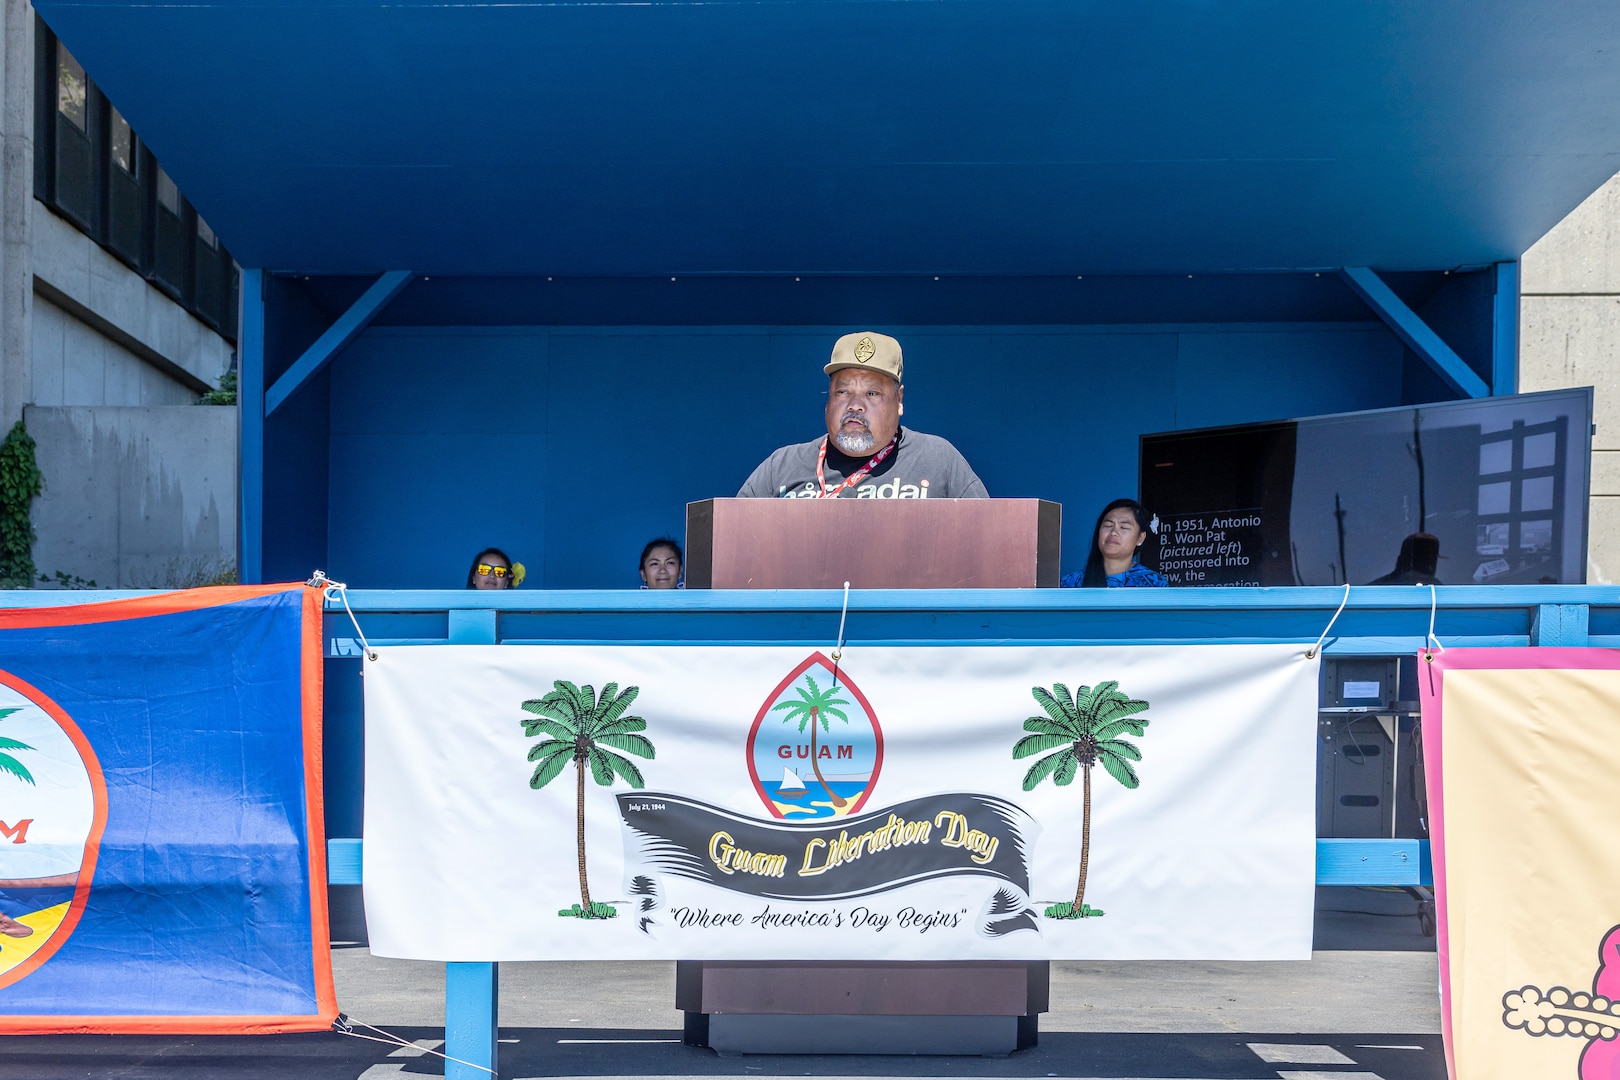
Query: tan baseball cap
(864, 349)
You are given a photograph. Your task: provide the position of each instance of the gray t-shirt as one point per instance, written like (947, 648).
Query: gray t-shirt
(921, 467)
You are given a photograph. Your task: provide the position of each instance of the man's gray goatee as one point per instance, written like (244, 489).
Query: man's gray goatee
(857, 443)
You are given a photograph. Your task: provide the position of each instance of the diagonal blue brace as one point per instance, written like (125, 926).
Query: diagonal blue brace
(337, 336)
(1414, 331)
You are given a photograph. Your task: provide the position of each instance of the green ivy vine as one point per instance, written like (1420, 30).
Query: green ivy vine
(20, 482)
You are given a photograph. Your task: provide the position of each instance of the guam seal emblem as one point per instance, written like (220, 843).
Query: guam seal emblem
(816, 748)
(53, 806)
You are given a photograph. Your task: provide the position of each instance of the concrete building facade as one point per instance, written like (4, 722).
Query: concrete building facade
(1569, 335)
(105, 340)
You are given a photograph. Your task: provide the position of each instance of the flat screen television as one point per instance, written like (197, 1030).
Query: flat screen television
(1488, 491)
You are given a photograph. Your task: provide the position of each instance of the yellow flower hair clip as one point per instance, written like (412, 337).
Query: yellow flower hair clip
(518, 574)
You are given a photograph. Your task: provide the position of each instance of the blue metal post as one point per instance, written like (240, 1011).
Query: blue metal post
(474, 626)
(1560, 624)
(250, 430)
(471, 990)
(1505, 330)
(1373, 862)
(471, 1018)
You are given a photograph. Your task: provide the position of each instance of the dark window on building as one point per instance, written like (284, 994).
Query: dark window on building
(91, 167)
(168, 196)
(121, 141)
(126, 192)
(172, 243)
(75, 149)
(70, 88)
(213, 276)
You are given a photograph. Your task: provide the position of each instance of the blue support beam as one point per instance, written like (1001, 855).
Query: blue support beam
(1505, 330)
(1414, 332)
(1373, 862)
(250, 435)
(344, 860)
(472, 627)
(1338, 862)
(1561, 624)
(471, 1019)
(471, 990)
(337, 337)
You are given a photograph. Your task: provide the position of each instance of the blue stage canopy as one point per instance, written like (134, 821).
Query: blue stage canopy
(957, 137)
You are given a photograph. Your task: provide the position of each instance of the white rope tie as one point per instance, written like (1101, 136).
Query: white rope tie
(1310, 653)
(1434, 604)
(336, 590)
(838, 649)
(345, 1025)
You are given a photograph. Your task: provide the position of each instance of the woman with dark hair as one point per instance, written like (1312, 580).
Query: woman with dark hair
(661, 565)
(491, 569)
(1122, 528)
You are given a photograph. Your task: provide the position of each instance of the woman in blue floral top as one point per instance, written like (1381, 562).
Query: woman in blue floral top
(1122, 527)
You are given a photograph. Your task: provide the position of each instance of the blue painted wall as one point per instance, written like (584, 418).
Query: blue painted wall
(571, 446)
(295, 442)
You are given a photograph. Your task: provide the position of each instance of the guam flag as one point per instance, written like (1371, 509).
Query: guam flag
(161, 858)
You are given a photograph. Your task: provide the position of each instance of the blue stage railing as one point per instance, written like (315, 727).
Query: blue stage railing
(1376, 621)
(1338, 862)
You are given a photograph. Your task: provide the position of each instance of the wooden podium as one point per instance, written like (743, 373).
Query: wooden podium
(872, 543)
(867, 1007)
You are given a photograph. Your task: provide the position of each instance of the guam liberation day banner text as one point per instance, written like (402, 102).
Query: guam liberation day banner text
(622, 802)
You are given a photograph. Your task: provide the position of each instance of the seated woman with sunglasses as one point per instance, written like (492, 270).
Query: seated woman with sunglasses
(493, 570)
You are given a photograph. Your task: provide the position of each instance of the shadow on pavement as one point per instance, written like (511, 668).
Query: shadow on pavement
(603, 1053)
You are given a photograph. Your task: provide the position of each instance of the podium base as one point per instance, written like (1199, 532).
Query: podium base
(984, 1008)
(775, 1033)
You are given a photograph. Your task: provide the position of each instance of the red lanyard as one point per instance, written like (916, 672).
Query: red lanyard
(854, 478)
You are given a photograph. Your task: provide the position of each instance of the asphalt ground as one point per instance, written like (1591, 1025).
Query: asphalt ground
(1365, 1006)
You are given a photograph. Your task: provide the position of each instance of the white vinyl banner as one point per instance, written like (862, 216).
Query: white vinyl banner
(635, 802)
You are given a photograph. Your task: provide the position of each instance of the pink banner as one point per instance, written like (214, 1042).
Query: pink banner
(1523, 755)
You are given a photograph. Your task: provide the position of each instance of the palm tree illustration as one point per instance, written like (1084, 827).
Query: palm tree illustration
(1082, 731)
(580, 725)
(8, 763)
(813, 707)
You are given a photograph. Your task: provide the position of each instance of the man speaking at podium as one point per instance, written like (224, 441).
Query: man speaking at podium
(865, 454)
